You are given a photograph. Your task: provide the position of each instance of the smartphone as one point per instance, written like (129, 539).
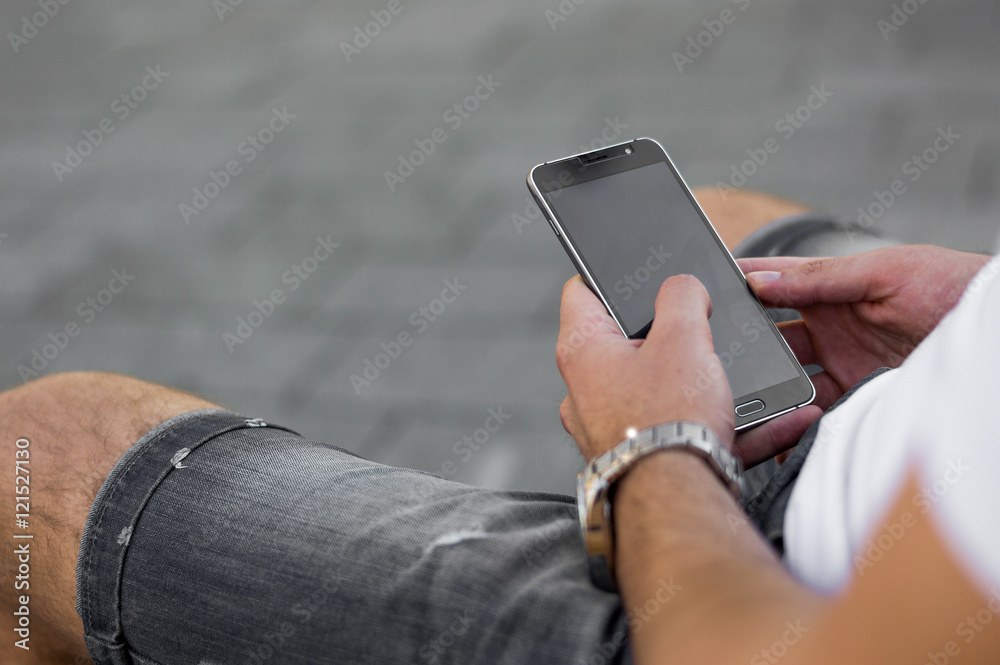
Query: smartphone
(629, 221)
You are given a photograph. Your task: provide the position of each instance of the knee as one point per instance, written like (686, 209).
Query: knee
(80, 423)
(96, 407)
(75, 427)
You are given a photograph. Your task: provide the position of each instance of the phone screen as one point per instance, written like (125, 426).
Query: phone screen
(636, 228)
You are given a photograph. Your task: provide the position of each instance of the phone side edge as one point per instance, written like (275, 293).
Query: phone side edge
(567, 244)
(739, 271)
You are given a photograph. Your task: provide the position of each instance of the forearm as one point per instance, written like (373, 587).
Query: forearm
(677, 528)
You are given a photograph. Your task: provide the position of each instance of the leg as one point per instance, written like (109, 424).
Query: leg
(247, 543)
(258, 546)
(78, 425)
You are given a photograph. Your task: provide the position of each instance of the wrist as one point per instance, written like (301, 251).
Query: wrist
(661, 495)
(660, 475)
(610, 441)
(599, 481)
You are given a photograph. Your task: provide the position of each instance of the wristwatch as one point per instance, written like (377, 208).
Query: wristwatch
(595, 483)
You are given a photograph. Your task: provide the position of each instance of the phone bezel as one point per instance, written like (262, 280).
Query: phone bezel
(549, 177)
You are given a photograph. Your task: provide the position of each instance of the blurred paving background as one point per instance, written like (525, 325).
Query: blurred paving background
(229, 72)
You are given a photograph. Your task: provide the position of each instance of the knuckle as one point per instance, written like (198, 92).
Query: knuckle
(563, 354)
(812, 267)
(566, 414)
(682, 283)
(819, 266)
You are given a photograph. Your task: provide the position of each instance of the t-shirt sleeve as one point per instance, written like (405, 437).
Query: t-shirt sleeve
(959, 455)
(936, 413)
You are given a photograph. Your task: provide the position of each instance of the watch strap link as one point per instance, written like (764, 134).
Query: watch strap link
(596, 482)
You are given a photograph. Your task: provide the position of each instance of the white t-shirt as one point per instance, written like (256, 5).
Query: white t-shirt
(938, 413)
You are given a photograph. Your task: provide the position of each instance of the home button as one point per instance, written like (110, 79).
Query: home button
(749, 408)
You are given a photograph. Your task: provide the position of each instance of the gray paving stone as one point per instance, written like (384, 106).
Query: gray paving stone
(325, 175)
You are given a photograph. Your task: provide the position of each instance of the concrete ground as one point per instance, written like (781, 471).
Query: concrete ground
(119, 120)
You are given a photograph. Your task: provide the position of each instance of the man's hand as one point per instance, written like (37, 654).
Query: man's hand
(863, 311)
(615, 383)
(672, 518)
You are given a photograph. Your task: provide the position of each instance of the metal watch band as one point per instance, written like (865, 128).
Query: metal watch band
(595, 482)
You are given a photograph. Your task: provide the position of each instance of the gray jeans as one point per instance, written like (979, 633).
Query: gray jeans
(219, 539)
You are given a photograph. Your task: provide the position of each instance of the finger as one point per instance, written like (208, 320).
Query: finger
(755, 264)
(582, 316)
(799, 341)
(828, 390)
(578, 301)
(775, 436)
(852, 278)
(682, 309)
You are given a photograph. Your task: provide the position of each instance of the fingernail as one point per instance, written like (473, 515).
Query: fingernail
(763, 276)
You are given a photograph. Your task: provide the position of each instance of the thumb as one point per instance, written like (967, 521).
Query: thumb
(682, 309)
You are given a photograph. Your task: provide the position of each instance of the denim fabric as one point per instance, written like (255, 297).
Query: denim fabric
(218, 539)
